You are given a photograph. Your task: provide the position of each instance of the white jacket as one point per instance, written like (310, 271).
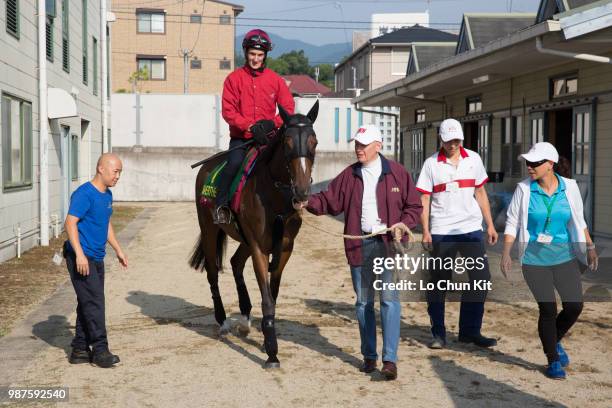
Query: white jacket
(517, 216)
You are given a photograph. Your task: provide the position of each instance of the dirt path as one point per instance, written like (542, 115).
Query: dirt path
(160, 322)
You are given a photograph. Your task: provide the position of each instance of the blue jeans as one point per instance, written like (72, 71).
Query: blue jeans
(390, 308)
(470, 245)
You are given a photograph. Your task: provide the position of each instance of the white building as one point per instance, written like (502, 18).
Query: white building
(385, 23)
(53, 119)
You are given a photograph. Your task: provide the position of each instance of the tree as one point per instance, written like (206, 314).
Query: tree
(141, 75)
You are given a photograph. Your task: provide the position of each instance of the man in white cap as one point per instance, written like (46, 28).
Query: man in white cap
(373, 193)
(455, 201)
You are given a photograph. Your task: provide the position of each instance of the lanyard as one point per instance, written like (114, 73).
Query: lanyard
(549, 206)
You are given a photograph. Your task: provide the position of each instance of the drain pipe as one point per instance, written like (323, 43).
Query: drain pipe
(43, 124)
(568, 54)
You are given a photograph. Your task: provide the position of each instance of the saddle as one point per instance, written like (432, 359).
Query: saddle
(209, 190)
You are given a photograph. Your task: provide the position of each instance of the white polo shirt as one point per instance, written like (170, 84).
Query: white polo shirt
(454, 209)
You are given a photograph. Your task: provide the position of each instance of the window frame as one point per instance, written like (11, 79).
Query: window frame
(94, 46)
(26, 157)
(49, 38)
(150, 13)
(17, 33)
(151, 58)
(66, 36)
(565, 77)
(476, 99)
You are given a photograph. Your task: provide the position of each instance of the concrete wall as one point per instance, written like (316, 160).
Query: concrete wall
(19, 78)
(165, 174)
(210, 42)
(169, 121)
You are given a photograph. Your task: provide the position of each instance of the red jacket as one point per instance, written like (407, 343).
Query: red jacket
(250, 96)
(396, 196)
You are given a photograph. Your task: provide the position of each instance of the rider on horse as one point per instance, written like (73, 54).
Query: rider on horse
(250, 96)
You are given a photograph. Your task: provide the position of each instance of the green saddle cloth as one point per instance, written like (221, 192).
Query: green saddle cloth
(209, 190)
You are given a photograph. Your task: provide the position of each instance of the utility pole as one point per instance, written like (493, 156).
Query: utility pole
(185, 53)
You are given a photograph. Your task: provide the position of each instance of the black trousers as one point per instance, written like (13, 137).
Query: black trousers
(542, 281)
(234, 160)
(90, 328)
(470, 245)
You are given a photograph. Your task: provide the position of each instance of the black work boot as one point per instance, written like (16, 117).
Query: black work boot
(105, 359)
(79, 356)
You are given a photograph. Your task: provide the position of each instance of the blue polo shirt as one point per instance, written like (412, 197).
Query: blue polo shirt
(93, 209)
(559, 250)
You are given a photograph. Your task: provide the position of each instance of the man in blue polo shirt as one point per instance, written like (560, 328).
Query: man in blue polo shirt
(89, 229)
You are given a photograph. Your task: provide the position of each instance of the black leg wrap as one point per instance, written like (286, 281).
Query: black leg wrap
(219, 310)
(267, 327)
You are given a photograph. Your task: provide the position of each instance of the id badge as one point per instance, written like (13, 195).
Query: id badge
(452, 187)
(544, 238)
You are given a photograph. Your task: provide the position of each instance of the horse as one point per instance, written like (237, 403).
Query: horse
(266, 225)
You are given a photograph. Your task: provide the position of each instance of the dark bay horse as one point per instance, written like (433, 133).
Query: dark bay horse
(266, 224)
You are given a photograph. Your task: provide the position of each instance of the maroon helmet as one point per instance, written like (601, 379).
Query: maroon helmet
(257, 39)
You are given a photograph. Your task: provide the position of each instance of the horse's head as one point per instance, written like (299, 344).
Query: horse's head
(299, 144)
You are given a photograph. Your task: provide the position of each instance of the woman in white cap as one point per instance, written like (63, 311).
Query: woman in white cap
(547, 212)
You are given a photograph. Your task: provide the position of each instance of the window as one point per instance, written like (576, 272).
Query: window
(473, 104)
(399, 61)
(84, 36)
(225, 64)
(12, 18)
(336, 125)
(511, 136)
(196, 63)
(388, 131)
(382, 124)
(483, 142)
(49, 38)
(74, 157)
(151, 22)
(419, 116)
(348, 125)
(582, 153)
(65, 36)
(195, 19)
(416, 158)
(225, 19)
(388, 140)
(564, 86)
(16, 142)
(94, 46)
(154, 66)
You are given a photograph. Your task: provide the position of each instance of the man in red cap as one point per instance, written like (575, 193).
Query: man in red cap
(250, 95)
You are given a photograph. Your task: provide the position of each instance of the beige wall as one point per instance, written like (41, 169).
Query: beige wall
(594, 80)
(214, 43)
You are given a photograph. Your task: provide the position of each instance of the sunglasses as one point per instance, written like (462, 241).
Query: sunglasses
(533, 165)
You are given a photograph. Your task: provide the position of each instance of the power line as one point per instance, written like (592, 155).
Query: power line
(302, 20)
(269, 25)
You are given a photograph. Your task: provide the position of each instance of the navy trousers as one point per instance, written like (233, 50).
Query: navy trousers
(469, 245)
(90, 328)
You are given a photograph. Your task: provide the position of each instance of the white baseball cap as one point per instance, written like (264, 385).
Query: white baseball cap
(450, 129)
(367, 134)
(541, 151)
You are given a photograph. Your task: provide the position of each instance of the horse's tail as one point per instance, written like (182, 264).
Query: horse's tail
(198, 257)
(196, 261)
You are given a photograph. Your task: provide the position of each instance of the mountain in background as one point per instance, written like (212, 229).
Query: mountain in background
(317, 54)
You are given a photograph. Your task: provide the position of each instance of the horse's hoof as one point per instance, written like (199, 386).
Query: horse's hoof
(225, 328)
(244, 325)
(272, 363)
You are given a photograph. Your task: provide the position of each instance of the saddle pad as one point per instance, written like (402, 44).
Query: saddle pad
(209, 190)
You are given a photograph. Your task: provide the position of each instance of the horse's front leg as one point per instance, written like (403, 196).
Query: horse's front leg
(260, 264)
(275, 276)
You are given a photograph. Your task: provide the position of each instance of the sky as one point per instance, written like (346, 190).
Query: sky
(285, 17)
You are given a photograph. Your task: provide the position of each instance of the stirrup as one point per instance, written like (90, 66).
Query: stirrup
(222, 215)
